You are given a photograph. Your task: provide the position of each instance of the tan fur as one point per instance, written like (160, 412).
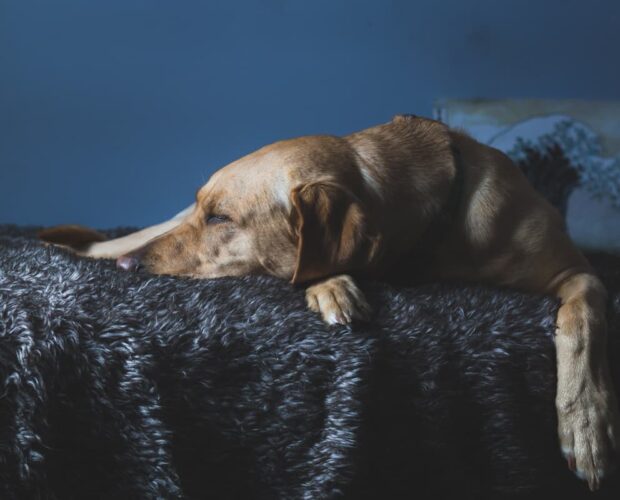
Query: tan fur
(320, 208)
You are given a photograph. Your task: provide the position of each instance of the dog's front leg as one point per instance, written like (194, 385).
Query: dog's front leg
(338, 300)
(588, 421)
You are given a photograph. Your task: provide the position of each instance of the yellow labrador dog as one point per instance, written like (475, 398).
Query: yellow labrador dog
(409, 199)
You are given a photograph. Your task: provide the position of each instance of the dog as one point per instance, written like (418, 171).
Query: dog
(407, 200)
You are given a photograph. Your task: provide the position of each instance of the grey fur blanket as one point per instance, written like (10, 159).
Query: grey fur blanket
(119, 385)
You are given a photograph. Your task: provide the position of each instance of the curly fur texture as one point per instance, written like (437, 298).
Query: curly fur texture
(121, 385)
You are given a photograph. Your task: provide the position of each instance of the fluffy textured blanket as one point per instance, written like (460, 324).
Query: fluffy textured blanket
(119, 385)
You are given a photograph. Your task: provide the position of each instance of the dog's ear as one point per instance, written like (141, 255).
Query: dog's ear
(71, 235)
(330, 225)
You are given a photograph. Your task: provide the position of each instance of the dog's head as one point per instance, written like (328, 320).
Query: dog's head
(294, 209)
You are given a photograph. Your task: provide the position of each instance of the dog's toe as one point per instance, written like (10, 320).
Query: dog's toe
(338, 300)
(587, 432)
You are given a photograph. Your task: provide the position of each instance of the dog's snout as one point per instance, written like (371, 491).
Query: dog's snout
(128, 262)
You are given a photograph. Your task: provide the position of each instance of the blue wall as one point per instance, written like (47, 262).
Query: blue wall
(114, 112)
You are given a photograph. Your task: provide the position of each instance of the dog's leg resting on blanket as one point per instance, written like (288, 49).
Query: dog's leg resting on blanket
(588, 422)
(338, 300)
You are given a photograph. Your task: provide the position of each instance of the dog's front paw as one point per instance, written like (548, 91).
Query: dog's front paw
(338, 300)
(589, 432)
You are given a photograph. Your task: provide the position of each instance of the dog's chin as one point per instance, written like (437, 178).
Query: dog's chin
(171, 268)
(181, 273)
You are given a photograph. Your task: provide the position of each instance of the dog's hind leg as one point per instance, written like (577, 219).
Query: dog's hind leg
(588, 422)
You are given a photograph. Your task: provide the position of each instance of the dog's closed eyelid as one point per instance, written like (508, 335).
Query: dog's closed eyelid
(217, 219)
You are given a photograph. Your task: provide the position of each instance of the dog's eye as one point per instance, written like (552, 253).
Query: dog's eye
(217, 219)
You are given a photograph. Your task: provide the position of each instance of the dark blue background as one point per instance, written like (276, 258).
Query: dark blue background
(115, 111)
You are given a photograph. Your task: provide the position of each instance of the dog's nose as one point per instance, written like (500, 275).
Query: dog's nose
(128, 263)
